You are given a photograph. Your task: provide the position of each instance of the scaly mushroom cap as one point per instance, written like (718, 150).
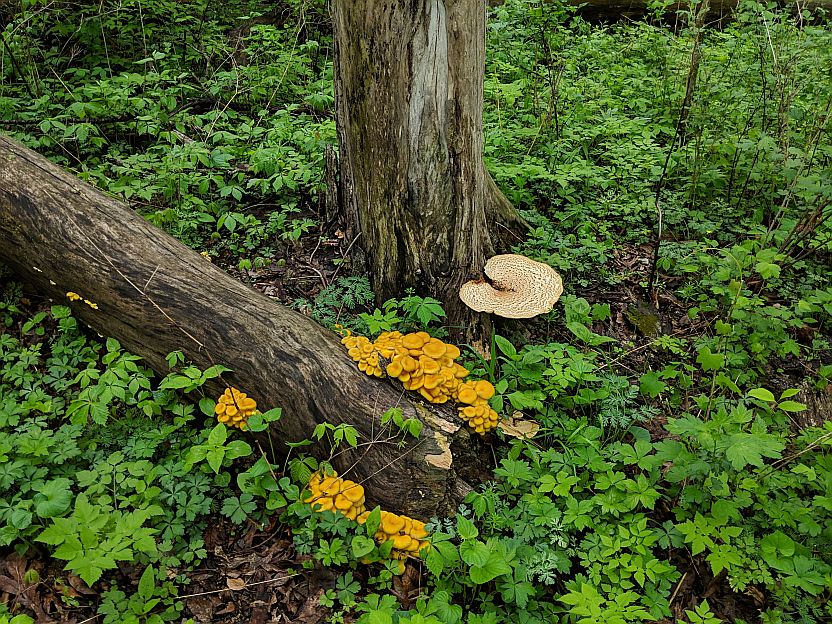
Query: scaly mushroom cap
(520, 287)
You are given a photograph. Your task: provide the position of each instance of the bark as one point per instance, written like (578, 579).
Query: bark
(155, 295)
(409, 99)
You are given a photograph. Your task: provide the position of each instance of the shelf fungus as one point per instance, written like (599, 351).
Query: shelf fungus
(517, 287)
(234, 408)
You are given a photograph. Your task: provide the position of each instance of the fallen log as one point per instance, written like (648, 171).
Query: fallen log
(156, 296)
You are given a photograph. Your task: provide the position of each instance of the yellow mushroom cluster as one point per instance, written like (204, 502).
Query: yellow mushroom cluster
(332, 493)
(476, 412)
(234, 408)
(363, 351)
(423, 364)
(428, 366)
(408, 535)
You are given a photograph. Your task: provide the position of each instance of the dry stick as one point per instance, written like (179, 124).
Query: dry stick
(344, 255)
(678, 587)
(17, 69)
(782, 462)
(646, 345)
(681, 129)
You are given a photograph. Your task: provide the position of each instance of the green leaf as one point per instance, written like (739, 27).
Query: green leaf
(238, 509)
(762, 394)
(583, 333)
(176, 382)
(466, 528)
(362, 545)
(650, 384)
(791, 406)
(743, 449)
(767, 270)
(215, 458)
(53, 498)
(218, 435)
(494, 566)
(710, 361)
(147, 583)
(474, 552)
(207, 405)
(505, 347)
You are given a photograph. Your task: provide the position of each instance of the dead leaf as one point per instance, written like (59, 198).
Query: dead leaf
(79, 585)
(518, 427)
(235, 584)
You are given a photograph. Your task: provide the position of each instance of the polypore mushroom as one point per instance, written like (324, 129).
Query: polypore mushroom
(519, 287)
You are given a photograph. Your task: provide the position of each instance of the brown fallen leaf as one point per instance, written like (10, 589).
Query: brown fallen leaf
(518, 427)
(79, 585)
(235, 584)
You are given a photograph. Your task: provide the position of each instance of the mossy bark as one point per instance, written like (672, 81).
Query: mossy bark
(155, 296)
(409, 99)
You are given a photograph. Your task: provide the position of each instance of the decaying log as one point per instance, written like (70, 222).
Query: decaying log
(155, 296)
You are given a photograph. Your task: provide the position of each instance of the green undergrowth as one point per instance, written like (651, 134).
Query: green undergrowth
(684, 455)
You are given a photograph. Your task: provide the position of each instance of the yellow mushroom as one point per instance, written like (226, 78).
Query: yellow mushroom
(467, 394)
(484, 389)
(391, 524)
(413, 341)
(402, 542)
(434, 348)
(394, 369)
(342, 502)
(429, 365)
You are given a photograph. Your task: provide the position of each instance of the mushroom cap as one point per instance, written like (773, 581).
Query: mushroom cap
(520, 287)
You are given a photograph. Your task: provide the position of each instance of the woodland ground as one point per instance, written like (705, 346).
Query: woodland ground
(683, 467)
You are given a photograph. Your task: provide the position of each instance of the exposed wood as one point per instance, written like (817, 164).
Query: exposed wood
(63, 235)
(409, 99)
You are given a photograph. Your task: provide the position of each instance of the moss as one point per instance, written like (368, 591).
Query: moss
(644, 318)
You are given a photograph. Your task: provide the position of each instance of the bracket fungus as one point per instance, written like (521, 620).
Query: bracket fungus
(517, 287)
(234, 407)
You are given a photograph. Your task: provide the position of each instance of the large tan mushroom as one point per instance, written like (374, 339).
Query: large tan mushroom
(519, 287)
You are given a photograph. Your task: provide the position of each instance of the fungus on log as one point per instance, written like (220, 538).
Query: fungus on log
(155, 295)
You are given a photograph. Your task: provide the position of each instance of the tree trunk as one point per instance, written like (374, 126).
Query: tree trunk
(155, 295)
(409, 98)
